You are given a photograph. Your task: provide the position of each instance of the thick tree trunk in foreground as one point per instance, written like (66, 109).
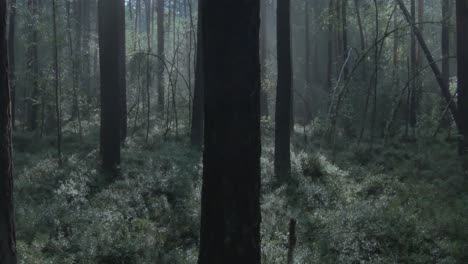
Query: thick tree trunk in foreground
(230, 216)
(111, 105)
(196, 135)
(462, 58)
(283, 93)
(7, 214)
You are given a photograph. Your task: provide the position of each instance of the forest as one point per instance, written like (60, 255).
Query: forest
(234, 131)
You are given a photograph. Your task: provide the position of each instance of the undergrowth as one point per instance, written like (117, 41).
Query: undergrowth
(393, 204)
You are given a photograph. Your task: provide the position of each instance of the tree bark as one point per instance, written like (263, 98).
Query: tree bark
(264, 57)
(445, 46)
(344, 32)
(111, 105)
(7, 214)
(122, 76)
(33, 66)
(462, 64)
(11, 60)
(284, 93)
(330, 39)
(56, 84)
(160, 47)
(230, 214)
(196, 135)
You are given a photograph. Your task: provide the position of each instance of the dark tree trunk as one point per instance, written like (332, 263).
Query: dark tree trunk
(462, 56)
(284, 93)
(308, 78)
(33, 66)
(11, 59)
(344, 32)
(110, 56)
(362, 37)
(330, 48)
(7, 214)
(77, 59)
(196, 136)
(56, 84)
(435, 69)
(414, 70)
(122, 76)
(230, 216)
(160, 74)
(264, 57)
(86, 54)
(445, 46)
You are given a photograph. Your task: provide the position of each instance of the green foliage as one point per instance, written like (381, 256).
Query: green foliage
(393, 204)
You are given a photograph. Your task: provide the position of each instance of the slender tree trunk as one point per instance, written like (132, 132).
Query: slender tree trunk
(196, 135)
(445, 45)
(33, 66)
(435, 69)
(230, 214)
(11, 58)
(344, 32)
(414, 70)
(122, 76)
(362, 37)
(73, 69)
(56, 84)
(7, 214)
(111, 105)
(160, 47)
(148, 70)
(308, 78)
(330, 48)
(284, 93)
(462, 55)
(77, 73)
(86, 54)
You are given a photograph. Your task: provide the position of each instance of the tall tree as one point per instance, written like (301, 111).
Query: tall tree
(33, 64)
(56, 83)
(414, 70)
(434, 67)
(462, 58)
(110, 55)
(122, 76)
(11, 59)
(86, 49)
(344, 32)
(283, 113)
(230, 216)
(196, 135)
(330, 42)
(7, 214)
(445, 46)
(160, 46)
(264, 56)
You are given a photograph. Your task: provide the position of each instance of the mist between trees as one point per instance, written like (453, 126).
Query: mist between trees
(220, 131)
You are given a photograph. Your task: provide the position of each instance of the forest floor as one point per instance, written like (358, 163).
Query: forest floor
(403, 203)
